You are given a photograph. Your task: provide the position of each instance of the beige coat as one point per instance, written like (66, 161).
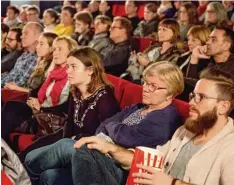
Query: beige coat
(213, 164)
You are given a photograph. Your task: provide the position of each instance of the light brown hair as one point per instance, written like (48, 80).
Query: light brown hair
(91, 58)
(200, 32)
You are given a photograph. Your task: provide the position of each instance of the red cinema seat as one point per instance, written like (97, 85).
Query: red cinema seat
(141, 11)
(144, 42)
(118, 10)
(5, 179)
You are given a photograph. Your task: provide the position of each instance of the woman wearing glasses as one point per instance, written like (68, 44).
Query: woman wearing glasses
(149, 123)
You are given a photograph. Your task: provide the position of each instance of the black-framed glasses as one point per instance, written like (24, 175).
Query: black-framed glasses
(10, 39)
(198, 97)
(152, 87)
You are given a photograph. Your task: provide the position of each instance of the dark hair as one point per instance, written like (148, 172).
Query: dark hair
(18, 32)
(152, 7)
(229, 35)
(34, 8)
(14, 8)
(192, 12)
(125, 23)
(83, 4)
(224, 84)
(70, 9)
(53, 13)
(84, 17)
(91, 58)
(4, 28)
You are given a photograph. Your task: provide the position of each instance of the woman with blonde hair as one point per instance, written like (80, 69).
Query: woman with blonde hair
(197, 36)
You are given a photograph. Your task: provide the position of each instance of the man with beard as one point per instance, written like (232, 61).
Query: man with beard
(217, 52)
(200, 152)
(13, 46)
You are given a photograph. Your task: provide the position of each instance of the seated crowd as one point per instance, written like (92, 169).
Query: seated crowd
(55, 86)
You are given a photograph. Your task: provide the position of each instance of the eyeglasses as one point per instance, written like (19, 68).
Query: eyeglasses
(152, 87)
(10, 39)
(198, 97)
(113, 27)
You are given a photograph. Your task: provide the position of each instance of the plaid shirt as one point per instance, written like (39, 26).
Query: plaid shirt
(22, 70)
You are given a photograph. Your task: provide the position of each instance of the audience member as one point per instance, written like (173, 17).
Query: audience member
(196, 36)
(187, 17)
(33, 14)
(218, 53)
(26, 63)
(93, 8)
(50, 19)
(144, 124)
(168, 33)
(52, 96)
(80, 5)
(228, 5)
(148, 26)
(115, 57)
(101, 38)
(23, 14)
(14, 47)
(66, 26)
(131, 9)
(44, 58)
(83, 32)
(166, 10)
(201, 10)
(105, 9)
(12, 14)
(216, 15)
(177, 5)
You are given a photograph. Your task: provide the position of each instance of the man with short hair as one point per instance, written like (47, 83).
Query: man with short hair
(101, 38)
(131, 9)
(12, 14)
(218, 53)
(26, 63)
(33, 14)
(115, 56)
(93, 8)
(200, 152)
(13, 46)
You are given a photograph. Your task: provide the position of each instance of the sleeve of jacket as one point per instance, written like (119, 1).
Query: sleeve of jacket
(148, 132)
(116, 119)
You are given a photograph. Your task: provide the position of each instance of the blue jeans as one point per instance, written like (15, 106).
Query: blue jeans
(90, 167)
(51, 164)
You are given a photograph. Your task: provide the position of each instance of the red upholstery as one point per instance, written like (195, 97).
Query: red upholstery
(5, 179)
(144, 42)
(24, 140)
(183, 108)
(141, 11)
(13, 95)
(118, 10)
(2, 18)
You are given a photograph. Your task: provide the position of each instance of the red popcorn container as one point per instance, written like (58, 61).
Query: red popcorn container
(148, 157)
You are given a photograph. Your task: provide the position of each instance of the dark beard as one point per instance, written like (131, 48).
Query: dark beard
(203, 122)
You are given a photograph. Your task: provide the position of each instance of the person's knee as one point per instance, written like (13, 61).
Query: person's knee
(65, 146)
(47, 177)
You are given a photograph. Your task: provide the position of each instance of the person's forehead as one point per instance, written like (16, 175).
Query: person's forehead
(217, 33)
(205, 86)
(115, 23)
(11, 34)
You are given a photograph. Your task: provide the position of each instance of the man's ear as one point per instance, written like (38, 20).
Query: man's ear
(223, 107)
(227, 46)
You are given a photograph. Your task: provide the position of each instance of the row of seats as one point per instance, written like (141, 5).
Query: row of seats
(126, 93)
(119, 10)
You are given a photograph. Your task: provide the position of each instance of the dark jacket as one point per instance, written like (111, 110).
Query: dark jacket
(86, 115)
(156, 128)
(227, 66)
(146, 28)
(9, 60)
(134, 20)
(115, 57)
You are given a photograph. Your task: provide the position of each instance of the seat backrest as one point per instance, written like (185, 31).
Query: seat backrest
(141, 11)
(144, 42)
(132, 95)
(118, 10)
(183, 108)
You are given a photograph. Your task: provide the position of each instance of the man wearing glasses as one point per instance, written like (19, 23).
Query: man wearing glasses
(33, 13)
(116, 55)
(200, 152)
(13, 46)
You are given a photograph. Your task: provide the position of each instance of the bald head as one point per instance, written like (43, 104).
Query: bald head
(30, 35)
